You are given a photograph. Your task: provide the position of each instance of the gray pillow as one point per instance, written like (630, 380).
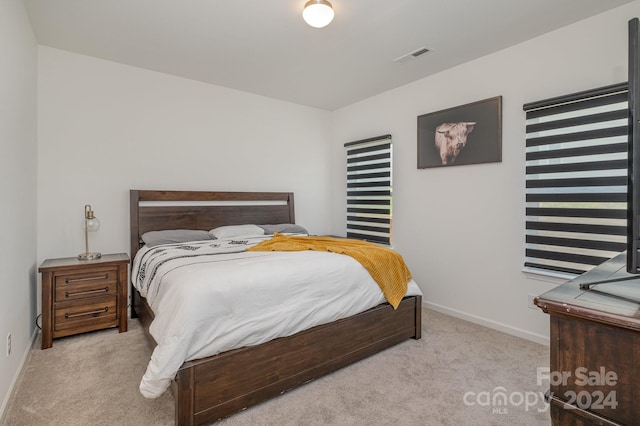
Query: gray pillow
(284, 228)
(172, 236)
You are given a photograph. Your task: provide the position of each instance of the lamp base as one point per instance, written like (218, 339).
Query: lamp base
(89, 256)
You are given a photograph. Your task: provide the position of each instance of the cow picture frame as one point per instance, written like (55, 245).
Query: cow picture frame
(466, 134)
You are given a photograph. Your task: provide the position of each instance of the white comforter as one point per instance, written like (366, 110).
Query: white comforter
(212, 296)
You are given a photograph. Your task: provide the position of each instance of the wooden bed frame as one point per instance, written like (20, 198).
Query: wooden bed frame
(212, 388)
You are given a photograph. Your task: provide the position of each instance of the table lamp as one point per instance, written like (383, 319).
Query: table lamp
(90, 223)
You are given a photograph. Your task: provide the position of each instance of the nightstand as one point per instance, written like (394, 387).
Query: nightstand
(83, 295)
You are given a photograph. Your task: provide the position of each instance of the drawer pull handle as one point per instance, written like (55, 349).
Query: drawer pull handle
(94, 313)
(79, 280)
(82, 293)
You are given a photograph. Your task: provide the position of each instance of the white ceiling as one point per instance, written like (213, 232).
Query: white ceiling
(264, 46)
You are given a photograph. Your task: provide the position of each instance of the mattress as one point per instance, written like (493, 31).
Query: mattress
(212, 296)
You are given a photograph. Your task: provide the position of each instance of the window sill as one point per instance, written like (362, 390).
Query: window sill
(547, 276)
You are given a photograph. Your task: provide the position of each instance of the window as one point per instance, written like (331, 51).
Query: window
(576, 179)
(369, 189)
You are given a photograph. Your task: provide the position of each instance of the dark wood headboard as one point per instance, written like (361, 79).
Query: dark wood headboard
(161, 210)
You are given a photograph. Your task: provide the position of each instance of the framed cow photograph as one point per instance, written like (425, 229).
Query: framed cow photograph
(466, 134)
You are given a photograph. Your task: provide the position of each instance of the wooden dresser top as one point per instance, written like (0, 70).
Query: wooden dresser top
(615, 303)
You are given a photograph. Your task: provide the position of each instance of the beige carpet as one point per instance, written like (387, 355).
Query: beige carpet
(454, 375)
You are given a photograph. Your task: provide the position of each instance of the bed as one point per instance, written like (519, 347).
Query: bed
(217, 386)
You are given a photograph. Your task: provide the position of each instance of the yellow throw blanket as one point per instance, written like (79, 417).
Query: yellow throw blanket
(386, 266)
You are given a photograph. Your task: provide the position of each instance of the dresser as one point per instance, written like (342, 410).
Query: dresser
(80, 295)
(595, 348)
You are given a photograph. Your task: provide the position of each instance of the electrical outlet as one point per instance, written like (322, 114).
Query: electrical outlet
(530, 303)
(8, 345)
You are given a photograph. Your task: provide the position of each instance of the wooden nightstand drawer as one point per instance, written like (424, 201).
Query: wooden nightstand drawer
(96, 282)
(86, 315)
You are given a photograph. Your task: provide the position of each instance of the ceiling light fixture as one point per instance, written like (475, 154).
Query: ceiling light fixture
(318, 13)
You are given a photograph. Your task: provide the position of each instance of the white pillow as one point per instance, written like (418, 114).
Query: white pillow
(235, 231)
(171, 236)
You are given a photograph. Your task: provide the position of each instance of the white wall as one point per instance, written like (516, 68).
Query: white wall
(18, 74)
(461, 229)
(106, 128)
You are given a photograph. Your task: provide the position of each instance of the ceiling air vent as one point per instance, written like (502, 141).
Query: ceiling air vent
(411, 55)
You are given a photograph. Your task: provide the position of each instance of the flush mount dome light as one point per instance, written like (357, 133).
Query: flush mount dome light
(318, 13)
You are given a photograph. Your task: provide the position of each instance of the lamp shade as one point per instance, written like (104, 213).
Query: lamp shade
(91, 224)
(318, 13)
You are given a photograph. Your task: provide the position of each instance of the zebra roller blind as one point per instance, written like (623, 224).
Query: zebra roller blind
(576, 179)
(369, 189)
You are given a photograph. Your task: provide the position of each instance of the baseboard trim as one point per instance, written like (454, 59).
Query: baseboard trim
(18, 375)
(514, 331)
